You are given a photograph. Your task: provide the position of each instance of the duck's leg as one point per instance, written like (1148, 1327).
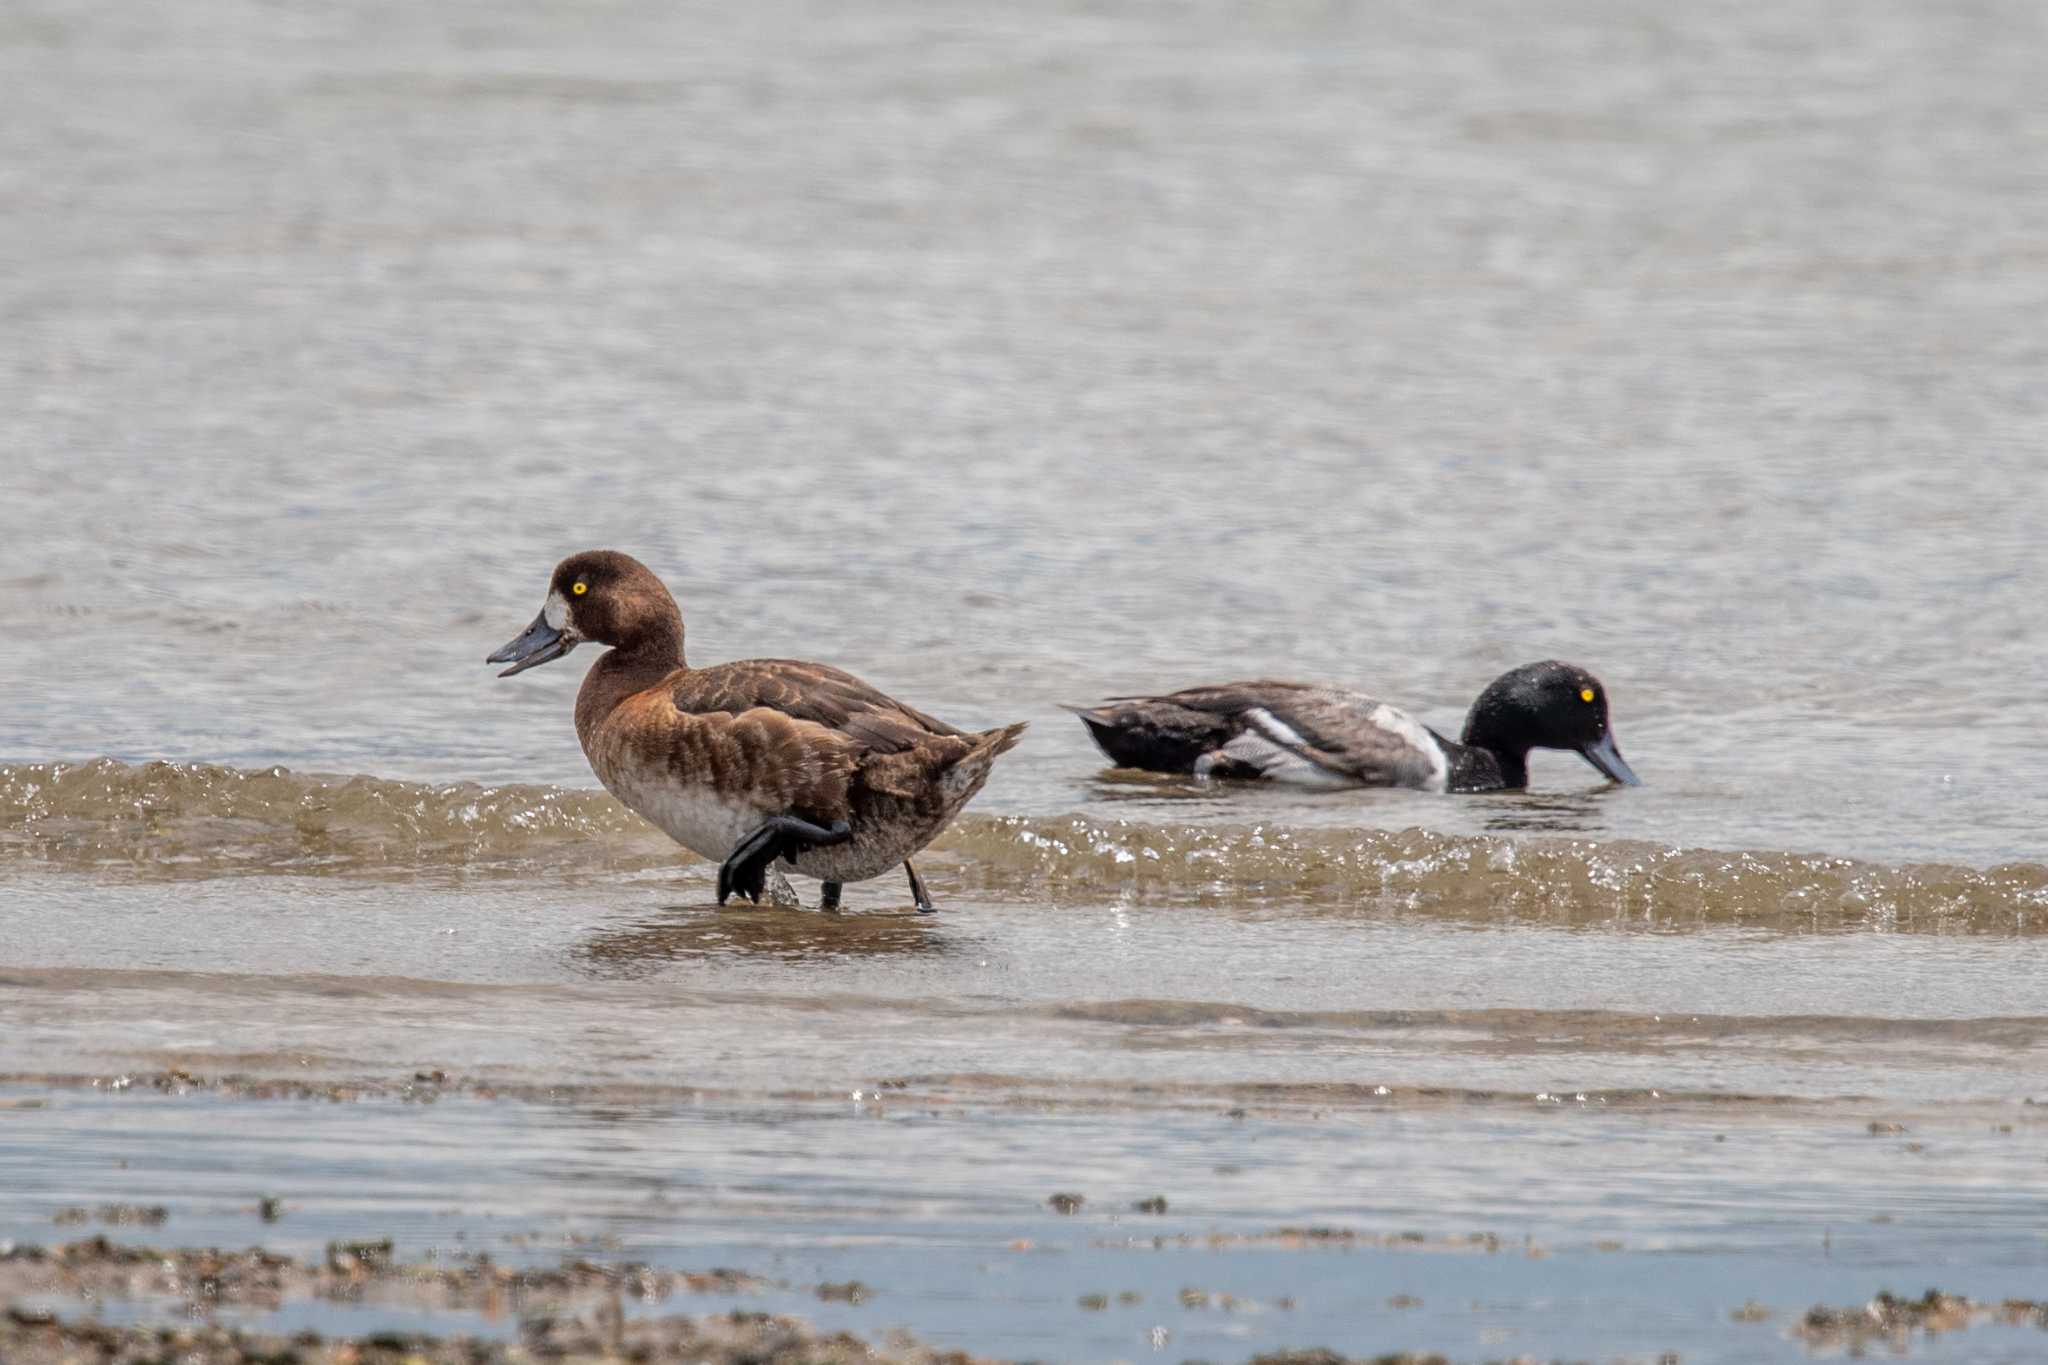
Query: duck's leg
(828, 899)
(745, 869)
(917, 891)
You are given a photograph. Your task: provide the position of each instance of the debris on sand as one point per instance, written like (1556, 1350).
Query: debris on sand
(1196, 1299)
(1322, 1356)
(568, 1314)
(1312, 1238)
(28, 1338)
(349, 1272)
(1319, 1356)
(353, 1258)
(1894, 1320)
(115, 1215)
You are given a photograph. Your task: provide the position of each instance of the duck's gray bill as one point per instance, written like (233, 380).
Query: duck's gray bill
(1602, 754)
(537, 644)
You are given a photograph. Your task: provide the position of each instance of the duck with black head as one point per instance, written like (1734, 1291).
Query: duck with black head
(751, 761)
(1330, 737)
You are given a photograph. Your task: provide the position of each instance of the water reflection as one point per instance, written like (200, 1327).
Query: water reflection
(1157, 796)
(695, 933)
(1545, 813)
(1136, 784)
(1137, 795)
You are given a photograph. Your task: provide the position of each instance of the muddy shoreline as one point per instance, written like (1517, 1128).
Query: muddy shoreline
(165, 1300)
(575, 1311)
(30, 1338)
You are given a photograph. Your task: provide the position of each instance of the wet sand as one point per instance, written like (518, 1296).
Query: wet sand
(34, 1337)
(586, 1311)
(1039, 1222)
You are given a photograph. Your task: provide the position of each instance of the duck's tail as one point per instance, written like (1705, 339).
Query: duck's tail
(1002, 739)
(1097, 718)
(967, 774)
(1102, 727)
(1149, 733)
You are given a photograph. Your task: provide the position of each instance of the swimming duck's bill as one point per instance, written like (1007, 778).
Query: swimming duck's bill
(1603, 754)
(537, 644)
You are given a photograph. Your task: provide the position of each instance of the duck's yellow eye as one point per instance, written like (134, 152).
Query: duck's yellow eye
(1585, 693)
(580, 587)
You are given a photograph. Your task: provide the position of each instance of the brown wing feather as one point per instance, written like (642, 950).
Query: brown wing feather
(817, 693)
(1339, 735)
(887, 748)
(1333, 728)
(1235, 698)
(760, 755)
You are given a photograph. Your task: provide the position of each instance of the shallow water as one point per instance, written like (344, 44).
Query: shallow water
(1457, 1249)
(1010, 360)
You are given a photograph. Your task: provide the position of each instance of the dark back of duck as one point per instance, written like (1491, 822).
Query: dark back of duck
(1154, 734)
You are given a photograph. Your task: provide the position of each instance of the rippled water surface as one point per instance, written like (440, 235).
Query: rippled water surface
(1008, 358)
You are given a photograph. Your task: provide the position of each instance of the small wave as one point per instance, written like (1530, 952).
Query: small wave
(200, 820)
(1492, 879)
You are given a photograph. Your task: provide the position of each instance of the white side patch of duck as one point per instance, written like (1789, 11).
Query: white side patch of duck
(1277, 751)
(700, 819)
(1432, 767)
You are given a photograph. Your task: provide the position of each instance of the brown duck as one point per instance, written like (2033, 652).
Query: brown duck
(752, 761)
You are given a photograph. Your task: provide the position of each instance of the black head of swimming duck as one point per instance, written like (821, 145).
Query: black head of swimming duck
(606, 598)
(1547, 705)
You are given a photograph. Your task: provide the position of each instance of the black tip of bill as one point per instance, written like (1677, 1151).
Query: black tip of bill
(534, 646)
(1602, 754)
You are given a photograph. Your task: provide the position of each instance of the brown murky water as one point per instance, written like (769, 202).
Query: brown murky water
(1010, 359)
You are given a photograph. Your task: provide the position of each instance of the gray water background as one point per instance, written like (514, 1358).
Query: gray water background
(1012, 357)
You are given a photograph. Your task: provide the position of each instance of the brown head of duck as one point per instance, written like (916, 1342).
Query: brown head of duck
(605, 597)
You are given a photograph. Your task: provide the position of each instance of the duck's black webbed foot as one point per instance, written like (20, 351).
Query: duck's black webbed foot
(745, 869)
(828, 898)
(918, 893)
